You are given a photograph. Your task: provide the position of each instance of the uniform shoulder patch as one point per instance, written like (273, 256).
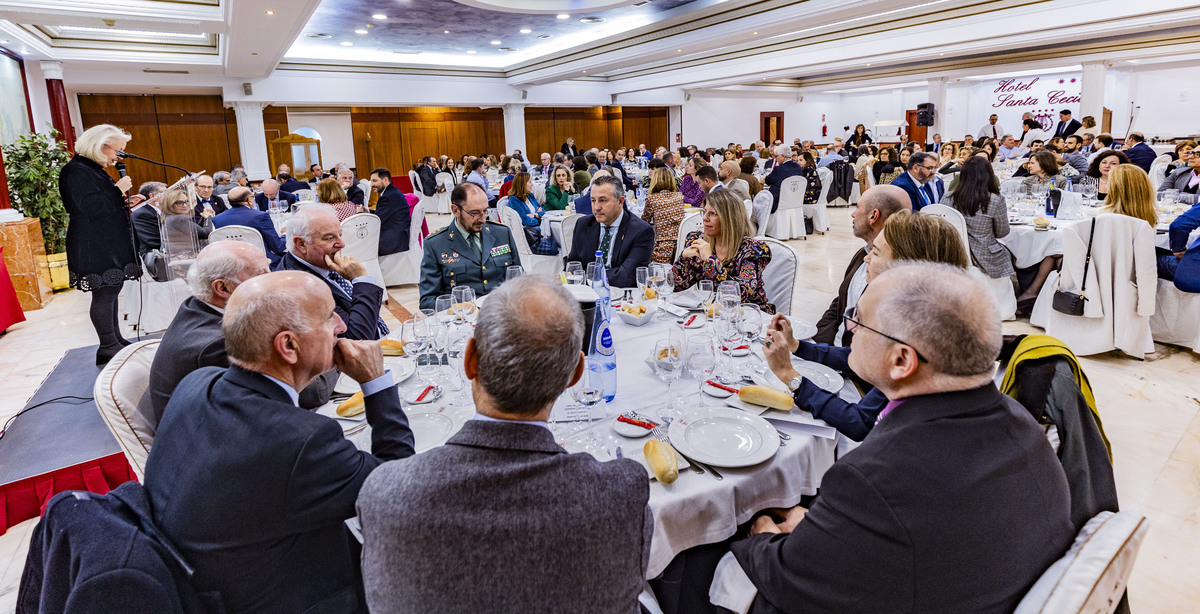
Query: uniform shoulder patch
(440, 230)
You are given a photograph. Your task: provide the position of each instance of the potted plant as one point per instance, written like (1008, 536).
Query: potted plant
(32, 164)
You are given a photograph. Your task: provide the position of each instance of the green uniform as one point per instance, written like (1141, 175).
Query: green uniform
(450, 260)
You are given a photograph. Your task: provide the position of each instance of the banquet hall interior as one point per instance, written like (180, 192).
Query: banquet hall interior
(385, 112)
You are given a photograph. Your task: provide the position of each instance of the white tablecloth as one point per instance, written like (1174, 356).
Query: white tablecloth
(1031, 246)
(552, 224)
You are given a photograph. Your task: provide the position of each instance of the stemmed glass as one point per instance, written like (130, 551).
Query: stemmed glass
(706, 293)
(464, 303)
(574, 273)
(701, 360)
(728, 331)
(668, 365)
(456, 350)
(444, 306)
(642, 275)
(591, 273)
(588, 392)
(513, 272)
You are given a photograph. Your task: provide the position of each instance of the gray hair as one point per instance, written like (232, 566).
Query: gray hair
(528, 336)
(299, 224)
(1005, 137)
(250, 330)
(235, 175)
(91, 143)
(220, 176)
(218, 260)
(607, 179)
(150, 188)
(783, 150)
(950, 317)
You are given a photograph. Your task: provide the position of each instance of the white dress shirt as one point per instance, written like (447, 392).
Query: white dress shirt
(987, 130)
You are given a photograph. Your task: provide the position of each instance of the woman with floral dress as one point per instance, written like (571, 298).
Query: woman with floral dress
(664, 211)
(725, 251)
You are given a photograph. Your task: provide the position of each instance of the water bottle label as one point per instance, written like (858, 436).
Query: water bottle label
(604, 346)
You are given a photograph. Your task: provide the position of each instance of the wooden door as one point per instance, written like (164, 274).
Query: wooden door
(771, 123)
(915, 132)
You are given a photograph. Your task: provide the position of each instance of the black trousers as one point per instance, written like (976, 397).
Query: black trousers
(103, 313)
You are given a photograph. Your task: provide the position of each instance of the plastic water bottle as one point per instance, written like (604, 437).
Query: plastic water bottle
(602, 355)
(641, 196)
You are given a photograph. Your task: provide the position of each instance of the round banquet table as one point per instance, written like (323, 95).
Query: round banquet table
(1030, 246)
(697, 508)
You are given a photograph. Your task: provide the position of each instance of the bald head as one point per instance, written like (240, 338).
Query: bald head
(270, 187)
(269, 321)
(240, 195)
(728, 170)
(222, 266)
(874, 207)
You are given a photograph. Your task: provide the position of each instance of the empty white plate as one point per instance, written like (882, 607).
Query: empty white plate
(724, 437)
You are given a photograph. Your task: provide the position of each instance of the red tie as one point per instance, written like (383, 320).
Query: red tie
(994, 132)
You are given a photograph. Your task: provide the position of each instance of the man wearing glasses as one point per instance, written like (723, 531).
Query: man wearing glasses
(470, 251)
(921, 182)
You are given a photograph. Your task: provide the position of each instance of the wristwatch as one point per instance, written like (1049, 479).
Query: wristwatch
(794, 385)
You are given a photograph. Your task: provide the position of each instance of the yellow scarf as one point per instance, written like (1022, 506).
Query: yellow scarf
(1033, 347)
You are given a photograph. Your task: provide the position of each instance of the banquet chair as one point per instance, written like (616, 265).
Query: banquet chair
(788, 220)
(1121, 284)
(304, 195)
(1091, 577)
(405, 267)
(761, 215)
(779, 276)
(819, 211)
(539, 192)
(245, 234)
(749, 209)
(360, 233)
(121, 396)
(418, 189)
(365, 186)
(568, 232)
(1163, 158)
(225, 199)
(441, 200)
(689, 223)
(956, 219)
(1176, 319)
(1158, 173)
(534, 264)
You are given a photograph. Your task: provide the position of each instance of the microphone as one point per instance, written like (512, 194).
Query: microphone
(121, 169)
(123, 154)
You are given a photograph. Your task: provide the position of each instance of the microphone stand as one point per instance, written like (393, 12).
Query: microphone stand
(122, 154)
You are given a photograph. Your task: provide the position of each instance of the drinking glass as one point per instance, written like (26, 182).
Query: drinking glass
(701, 360)
(668, 365)
(729, 288)
(588, 392)
(642, 275)
(464, 303)
(706, 293)
(654, 277)
(456, 352)
(1170, 197)
(444, 306)
(513, 272)
(574, 273)
(591, 273)
(751, 322)
(666, 285)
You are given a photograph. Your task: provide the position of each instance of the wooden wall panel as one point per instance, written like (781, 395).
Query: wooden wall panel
(231, 136)
(547, 128)
(539, 132)
(401, 136)
(376, 138)
(192, 129)
(135, 115)
(659, 132)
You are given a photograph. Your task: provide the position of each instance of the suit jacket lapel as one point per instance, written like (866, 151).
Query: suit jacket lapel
(489, 241)
(619, 240)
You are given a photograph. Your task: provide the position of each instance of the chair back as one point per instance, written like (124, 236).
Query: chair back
(826, 177)
(568, 231)
(124, 402)
(224, 198)
(779, 276)
(505, 188)
(360, 233)
(512, 219)
(441, 200)
(305, 195)
(416, 181)
(245, 234)
(956, 219)
(791, 192)
(689, 223)
(762, 204)
(749, 204)
(1164, 158)
(365, 186)
(1158, 173)
(1091, 576)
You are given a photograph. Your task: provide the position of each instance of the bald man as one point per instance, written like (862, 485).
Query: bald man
(207, 204)
(729, 175)
(273, 198)
(955, 498)
(252, 489)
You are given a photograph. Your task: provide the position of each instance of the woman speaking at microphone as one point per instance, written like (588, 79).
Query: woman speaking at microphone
(100, 252)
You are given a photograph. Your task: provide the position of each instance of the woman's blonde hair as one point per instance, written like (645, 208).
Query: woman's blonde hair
(168, 202)
(924, 237)
(1130, 193)
(662, 180)
(735, 225)
(91, 143)
(330, 192)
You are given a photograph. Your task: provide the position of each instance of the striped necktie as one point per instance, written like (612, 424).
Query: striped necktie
(348, 288)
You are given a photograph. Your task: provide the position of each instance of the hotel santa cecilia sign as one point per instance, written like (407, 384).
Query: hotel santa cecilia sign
(1044, 97)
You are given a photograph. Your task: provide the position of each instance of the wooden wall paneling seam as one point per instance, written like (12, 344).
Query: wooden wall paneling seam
(136, 115)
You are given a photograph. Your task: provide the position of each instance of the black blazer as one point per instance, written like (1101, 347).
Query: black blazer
(147, 228)
(255, 491)
(395, 221)
(631, 248)
(1067, 130)
(356, 195)
(193, 341)
(954, 502)
(570, 151)
(293, 184)
(260, 199)
(831, 320)
(360, 312)
(789, 168)
(100, 243)
(428, 179)
(217, 204)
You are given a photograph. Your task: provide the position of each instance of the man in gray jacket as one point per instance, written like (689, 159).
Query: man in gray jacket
(501, 519)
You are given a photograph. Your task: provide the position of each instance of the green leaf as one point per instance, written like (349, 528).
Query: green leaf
(32, 164)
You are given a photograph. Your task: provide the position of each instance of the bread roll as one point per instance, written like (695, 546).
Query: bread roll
(661, 459)
(352, 406)
(391, 347)
(650, 294)
(765, 396)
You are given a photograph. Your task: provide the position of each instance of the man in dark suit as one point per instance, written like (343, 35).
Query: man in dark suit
(955, 500)
(1066, 125)
(255, 491)
(206, 200)
(783, 168)
(546, 165)
(194, 339)
(240, 214)
(866, 221)
(468, 251)
(568, 149)
(936, 146)
(287, 183)
(625, 239)
(921, 182)
(317, 173)
(427, 171)
(316, 247)
(147, 227)
(273, 197)
(353, 193)
(552, 528)
(1138, 151)
(395, 218)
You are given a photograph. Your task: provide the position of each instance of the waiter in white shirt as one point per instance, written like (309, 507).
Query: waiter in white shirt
(991, 130)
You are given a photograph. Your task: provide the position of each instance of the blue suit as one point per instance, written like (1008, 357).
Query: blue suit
(854, 420)
(258, 220)
(906, 182)
(775, 179)
(261, 201)
(1184, 271)
(395, 221)
(1142, 155)
(583, 204)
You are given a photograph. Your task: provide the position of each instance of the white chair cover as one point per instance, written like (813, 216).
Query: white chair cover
(956, 219)
(304, 195)
(1092, 575)
(441, 200)
(534, 264)
(690, 222)
(416, 181)
(762, 212)
(245, 234)
(224, 198)
(788, 220)
(819, 211)
(749, 209)
(568, 232)
(405, 267)
(779, 276)
(360, 233)
(1158, 174)
(1121, 285)
(1003, 293)
(1177, 317)
(124, 404)
(1163, 158)
(365, 186)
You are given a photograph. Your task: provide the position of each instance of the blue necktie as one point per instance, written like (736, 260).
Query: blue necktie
(929, 192)
(348, 288)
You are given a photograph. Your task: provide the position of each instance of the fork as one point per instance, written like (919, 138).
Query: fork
(661, 434)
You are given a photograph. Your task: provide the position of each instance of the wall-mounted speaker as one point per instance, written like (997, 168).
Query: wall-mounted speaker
(247, 89)
(524, 94)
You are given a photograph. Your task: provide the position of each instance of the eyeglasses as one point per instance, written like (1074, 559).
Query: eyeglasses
(929, 168)
(710, 215)
(475, 214)
(852, 324)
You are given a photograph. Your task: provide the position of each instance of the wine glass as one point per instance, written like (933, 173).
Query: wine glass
(464, 303)
(444, 306)
(574, 272)
(654, 277)
(642, 275)
(513, 272)
(666, 286)
(706, 293)
(456, 351)
(701, 360)
(668, 365)
(587, 393)
(591, 273)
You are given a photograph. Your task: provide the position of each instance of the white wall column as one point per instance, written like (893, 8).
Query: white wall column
(252, 139)
(514, 129)
(1092, 91)
(674, 126)
(937, 95)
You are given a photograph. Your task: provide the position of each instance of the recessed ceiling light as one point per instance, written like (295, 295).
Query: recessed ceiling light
(585, 72)
(495, 42)
(270, 12)
(360, 31)
(318, 35)
(756, 34)
(471, 51)
(592, 20)
(347, 44)
(679, 51)
(378, 16)
(3, 42)
(525, 30)
(445, 31)
(545, 36)
(506, 49)
(564, 16)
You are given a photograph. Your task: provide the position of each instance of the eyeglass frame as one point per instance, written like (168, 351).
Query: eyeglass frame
(849, 317)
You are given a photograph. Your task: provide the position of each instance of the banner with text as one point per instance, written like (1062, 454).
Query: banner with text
(1042, 96)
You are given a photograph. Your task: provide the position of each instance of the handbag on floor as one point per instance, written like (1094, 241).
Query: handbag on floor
(1069, 302)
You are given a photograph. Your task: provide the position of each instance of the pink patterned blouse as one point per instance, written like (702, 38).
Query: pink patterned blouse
(745, 267)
